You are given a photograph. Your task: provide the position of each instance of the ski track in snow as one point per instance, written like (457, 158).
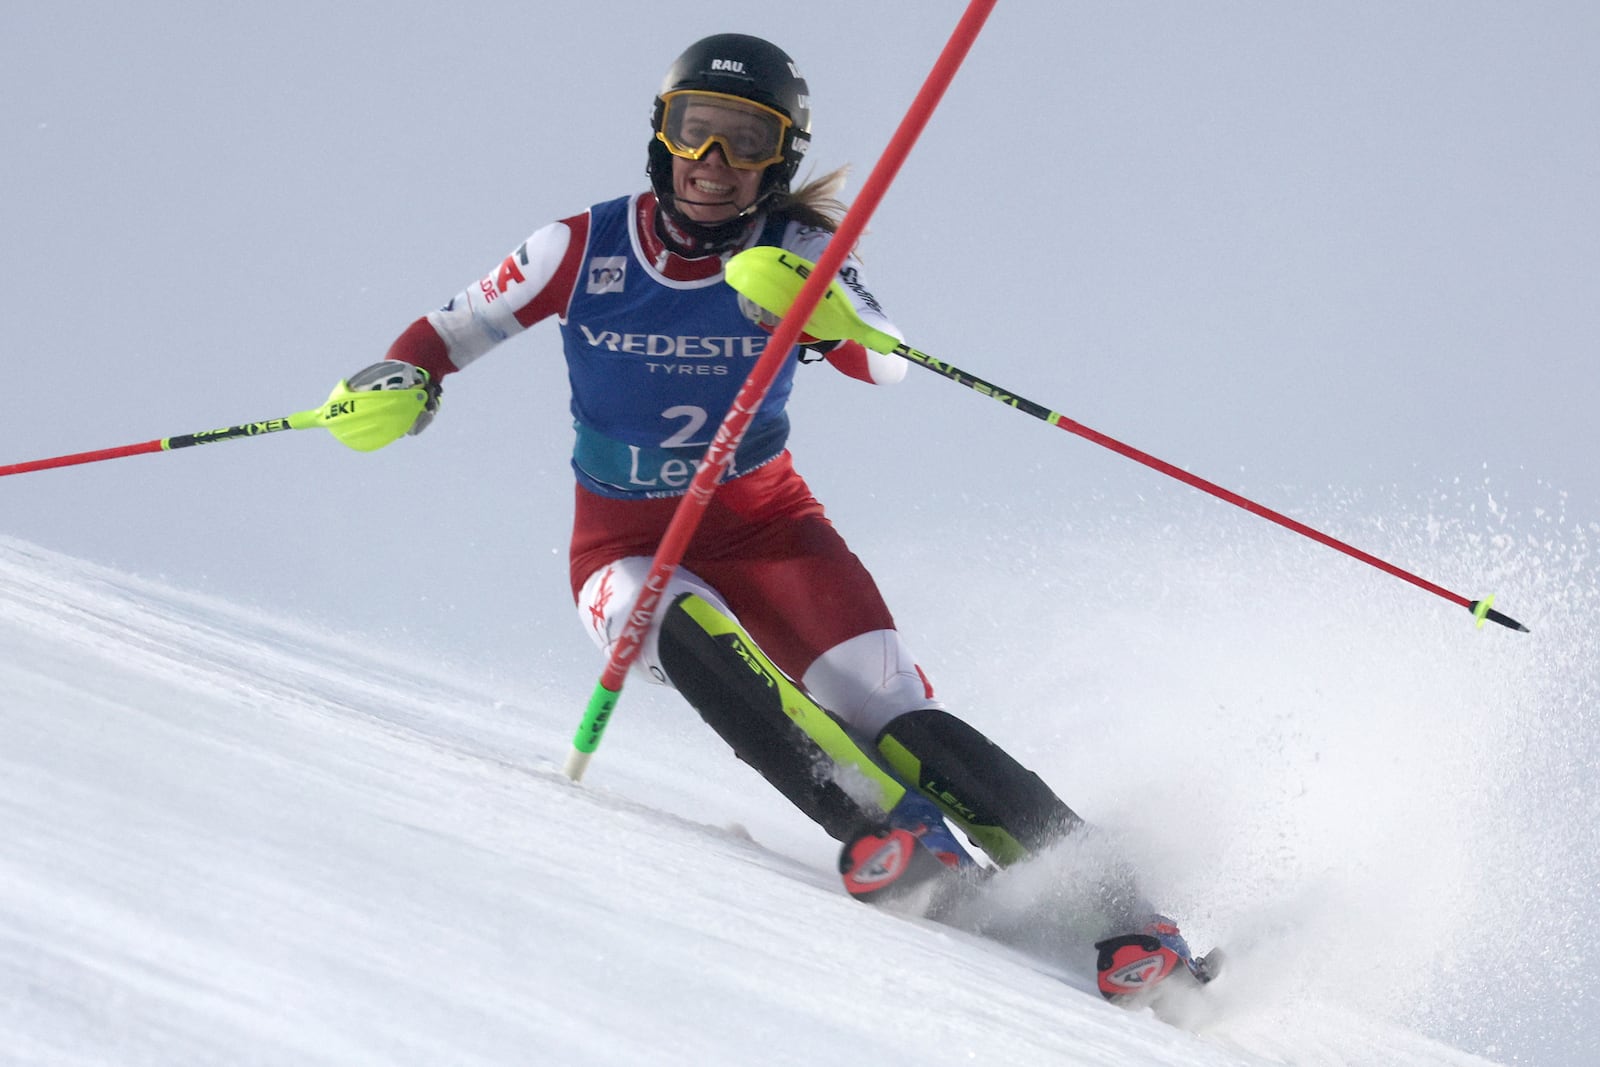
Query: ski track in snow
(233, 840)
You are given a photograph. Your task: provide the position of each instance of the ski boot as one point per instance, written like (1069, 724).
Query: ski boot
(910, 861)
(1132, 965)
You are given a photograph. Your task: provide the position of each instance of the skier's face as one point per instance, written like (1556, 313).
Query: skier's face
(708, 190)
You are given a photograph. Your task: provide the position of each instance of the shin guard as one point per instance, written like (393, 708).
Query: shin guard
(798, 747)
(1004, 807)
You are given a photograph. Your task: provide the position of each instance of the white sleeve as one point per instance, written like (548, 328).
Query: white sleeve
(486, 312)
(881, 369)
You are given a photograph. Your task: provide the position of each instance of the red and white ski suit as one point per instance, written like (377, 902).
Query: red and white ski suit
(656, 347)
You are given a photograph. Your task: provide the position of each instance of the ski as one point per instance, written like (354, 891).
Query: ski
(893, 867)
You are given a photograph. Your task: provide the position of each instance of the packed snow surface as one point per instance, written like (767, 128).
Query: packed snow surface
(232, 838)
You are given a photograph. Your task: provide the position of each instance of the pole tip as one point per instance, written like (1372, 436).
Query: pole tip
(577, 763)
(1484, 610)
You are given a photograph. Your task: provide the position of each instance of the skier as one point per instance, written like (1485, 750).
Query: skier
(770, 618)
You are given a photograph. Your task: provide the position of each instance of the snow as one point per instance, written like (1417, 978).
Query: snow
(231, 837)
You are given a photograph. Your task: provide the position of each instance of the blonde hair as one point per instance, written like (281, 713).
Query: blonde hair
(816, 203)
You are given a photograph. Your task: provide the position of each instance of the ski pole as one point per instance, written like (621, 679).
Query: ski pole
(363, 420)
(686, 519)
(771, 276)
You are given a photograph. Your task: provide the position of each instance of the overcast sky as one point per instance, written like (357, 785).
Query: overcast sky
(1311, 251)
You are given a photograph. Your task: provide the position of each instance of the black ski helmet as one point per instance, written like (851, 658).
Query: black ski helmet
(743, 66)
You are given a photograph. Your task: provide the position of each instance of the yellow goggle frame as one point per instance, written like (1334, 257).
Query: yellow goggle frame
(724, 120)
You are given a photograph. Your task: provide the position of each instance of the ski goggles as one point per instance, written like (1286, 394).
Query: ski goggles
(751, 135)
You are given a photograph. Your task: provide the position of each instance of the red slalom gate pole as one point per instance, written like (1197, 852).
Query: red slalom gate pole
(686, 520)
